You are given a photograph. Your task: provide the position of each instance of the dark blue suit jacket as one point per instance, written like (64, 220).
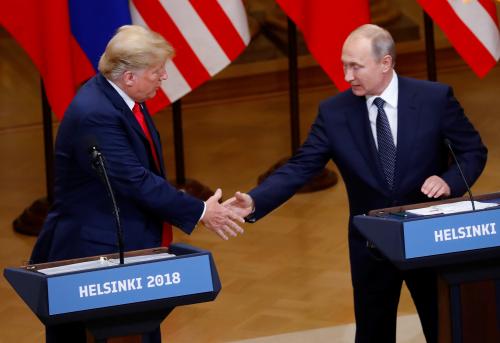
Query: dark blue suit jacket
(427, 114)
(81, 222)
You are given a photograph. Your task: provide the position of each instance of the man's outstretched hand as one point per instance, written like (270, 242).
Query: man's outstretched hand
(240, 204)
(220, 219)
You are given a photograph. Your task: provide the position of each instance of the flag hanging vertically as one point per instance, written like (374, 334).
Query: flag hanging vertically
(325, 25)
(42, 28)
(206, 35)
(472, 28)
(65, 39)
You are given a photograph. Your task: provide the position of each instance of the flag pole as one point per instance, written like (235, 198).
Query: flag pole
(430, 48)
(30, 222)
(193, 187)
(326, 178)
(293, 77)
(180, 175)
(48, 138)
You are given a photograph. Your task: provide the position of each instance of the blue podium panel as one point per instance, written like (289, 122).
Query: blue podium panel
(412, 241)
(451, 233)
(148, 283)
(129, 284)
(462, 247)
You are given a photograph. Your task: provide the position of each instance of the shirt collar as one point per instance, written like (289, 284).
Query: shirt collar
(128, 100)
(390, 93)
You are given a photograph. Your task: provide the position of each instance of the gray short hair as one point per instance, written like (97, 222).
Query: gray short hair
(133, 47)
(382, 41)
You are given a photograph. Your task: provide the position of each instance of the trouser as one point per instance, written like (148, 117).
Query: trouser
(377, 287)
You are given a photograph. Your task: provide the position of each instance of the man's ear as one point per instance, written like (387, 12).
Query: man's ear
(386, 63)
(128, 78)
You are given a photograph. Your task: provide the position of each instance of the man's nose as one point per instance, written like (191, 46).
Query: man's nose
(348, 75)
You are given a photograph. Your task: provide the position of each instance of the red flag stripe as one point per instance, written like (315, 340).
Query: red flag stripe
(51, 47)
(198, 36)
(475, 17)
(175, 86)
(82, 67)
(186, 60)
(235, 12)
(220, 26)
(325, 25)
(462, 38)
(490, 7)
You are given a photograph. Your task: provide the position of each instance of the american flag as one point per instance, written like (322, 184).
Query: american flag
(472, 28)
(206, 34)
(65, 39)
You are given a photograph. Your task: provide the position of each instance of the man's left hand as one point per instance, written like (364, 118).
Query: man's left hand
(435, 187)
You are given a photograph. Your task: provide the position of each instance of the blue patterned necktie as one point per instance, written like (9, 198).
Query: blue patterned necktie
(386, 147)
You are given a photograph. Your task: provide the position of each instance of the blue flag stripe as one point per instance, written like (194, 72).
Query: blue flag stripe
(94, 22)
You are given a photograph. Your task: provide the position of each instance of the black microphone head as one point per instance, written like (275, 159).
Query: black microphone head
(92, 147)
(447, 142)
(90, 142)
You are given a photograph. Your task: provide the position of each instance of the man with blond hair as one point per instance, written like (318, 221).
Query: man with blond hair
(386, 135)
(109, 111)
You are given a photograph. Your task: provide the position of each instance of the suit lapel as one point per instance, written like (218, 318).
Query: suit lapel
(408, 125)
(359, 125)
(120, 104)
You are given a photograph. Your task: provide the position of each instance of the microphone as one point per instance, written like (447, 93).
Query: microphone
(97, 161)
(448, 144)
(92, 147)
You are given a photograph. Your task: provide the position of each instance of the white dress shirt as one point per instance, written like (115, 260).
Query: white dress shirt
(128, 100)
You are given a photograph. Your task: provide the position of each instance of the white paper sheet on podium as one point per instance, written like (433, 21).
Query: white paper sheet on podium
(101, 262)
(455, 207)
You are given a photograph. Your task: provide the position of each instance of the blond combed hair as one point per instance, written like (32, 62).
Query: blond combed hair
(133, 48)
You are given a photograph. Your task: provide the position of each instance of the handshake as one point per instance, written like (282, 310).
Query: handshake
(223, 218)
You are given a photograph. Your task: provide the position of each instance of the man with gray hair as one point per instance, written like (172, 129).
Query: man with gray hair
(109, 111)
(386, 135)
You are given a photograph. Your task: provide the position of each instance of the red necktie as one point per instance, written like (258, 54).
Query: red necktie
(167, 228)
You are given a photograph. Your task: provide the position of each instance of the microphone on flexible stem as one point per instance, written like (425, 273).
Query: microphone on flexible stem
(97, 161)
(448, 144)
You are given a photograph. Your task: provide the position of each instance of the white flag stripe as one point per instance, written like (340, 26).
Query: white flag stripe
(235, 11)
(175, 86)
(136, 16)
(478, 20)
(199, 38)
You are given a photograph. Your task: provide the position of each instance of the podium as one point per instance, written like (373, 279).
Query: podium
(463, 248)
(114, 300)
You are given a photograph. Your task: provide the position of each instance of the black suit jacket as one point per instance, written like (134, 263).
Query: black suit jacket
(427, 114)
(81, 222)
